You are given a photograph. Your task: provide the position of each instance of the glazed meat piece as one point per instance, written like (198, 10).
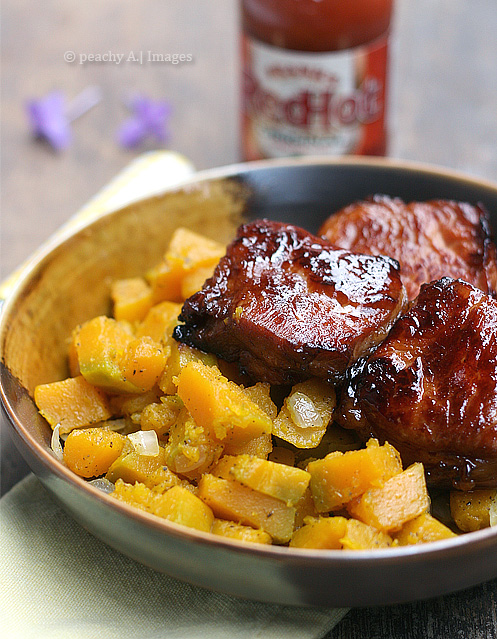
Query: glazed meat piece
(286, 305)
(430, 388)
(430, 240)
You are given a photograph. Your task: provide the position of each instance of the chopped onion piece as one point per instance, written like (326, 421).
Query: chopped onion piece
(493, 511)
(145, 442)
(103, 484)
(303, 411)
(55, 444)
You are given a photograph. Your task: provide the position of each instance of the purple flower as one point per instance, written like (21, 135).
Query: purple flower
(149, 120)
(49, 121)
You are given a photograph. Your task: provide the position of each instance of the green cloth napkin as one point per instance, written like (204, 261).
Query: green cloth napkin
(60, 582)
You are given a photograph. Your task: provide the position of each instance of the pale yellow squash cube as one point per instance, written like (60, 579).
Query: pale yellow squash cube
(402, 498)
(131, 299)
(422, 530)
(231, 500)
(232, 530)
(341, 477)
(277, 480)
(71, 403)
(306, 413)
(220, 406)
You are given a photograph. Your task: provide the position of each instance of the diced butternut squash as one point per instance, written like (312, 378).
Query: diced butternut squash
(402, 498)
(321, 532)
(471, 510)
(230, 500)
(260, 394)
(422, 530)
(232, 530)
(194, 280)
(190, 451)
(161, 416)
(90, 452)
(220, 406)
(306, 413)
(341, 477)
(131, 467)
(361, 536)
(71, 403)
(187, 252)
(131, 299)
(277, 480)
(159, 322)
(180, 355)
(177, 504)
(111, 358)
(143, 363)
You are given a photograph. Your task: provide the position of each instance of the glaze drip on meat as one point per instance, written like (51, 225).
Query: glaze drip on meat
(287, 305)
(430, 240)
(430, 388)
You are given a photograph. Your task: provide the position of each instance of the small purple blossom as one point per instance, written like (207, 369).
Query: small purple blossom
(149, 119)
(49, 121)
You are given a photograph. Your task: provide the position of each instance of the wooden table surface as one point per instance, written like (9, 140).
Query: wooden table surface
(443, 111)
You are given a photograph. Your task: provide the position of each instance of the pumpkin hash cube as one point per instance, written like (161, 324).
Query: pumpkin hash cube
(277, 480)
(90, 452)
(175, 277)
(340, 477)
(306, 413)
(71, 403)
(219, 405)
(111, 358)
(401, 498)
(231, 500)
(131, 299)
(177, 504)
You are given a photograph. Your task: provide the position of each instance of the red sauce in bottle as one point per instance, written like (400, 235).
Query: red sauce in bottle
(314, 77)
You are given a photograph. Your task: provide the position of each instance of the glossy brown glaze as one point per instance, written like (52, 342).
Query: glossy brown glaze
(286, 305)
(430, 388)
(430, 240)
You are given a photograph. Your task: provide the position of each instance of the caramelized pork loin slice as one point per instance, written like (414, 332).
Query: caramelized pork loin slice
(287, 305)
(430, 389)
(430, 240)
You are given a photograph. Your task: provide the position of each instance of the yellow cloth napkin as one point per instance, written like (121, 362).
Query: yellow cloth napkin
(59, 582)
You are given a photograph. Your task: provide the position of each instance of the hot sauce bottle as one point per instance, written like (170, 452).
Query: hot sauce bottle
(314, 77)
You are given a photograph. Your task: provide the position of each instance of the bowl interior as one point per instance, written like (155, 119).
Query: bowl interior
(69, 282)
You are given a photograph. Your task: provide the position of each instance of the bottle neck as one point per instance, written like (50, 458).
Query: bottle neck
(310, 25)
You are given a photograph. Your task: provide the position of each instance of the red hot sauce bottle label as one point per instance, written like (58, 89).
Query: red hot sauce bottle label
(307, 103)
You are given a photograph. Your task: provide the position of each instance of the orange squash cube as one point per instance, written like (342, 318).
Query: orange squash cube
(220, 406)
(321, 532)
(361, 536)
(131, 299)
(178, 504)
(340, 477)
(230, 500)
(90, 452)
(423, 529)
(232, 530)
(71, 403)
(402, 498)
(159, 322)
(277, 480)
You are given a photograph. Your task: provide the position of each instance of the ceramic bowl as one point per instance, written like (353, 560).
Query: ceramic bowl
(68, 282)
